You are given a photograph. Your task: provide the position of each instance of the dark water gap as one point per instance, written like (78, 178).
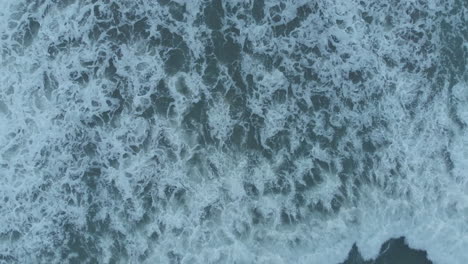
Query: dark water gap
(393, 251)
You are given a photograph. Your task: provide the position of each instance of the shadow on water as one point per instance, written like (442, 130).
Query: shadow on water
(393, 251)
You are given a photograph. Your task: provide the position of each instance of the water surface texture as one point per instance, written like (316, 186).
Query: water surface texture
(159, 131)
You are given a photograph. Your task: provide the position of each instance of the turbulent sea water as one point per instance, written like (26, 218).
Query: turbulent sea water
(159, 131)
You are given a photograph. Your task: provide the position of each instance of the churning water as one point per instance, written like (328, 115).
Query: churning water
(159, 131)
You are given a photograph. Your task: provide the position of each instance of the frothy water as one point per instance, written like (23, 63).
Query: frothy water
(232, 131)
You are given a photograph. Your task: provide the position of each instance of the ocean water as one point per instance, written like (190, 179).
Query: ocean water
(171, 131)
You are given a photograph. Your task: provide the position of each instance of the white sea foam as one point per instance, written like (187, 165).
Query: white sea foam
(144, 132)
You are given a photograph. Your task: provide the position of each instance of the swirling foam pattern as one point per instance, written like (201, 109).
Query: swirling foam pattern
(159, 131)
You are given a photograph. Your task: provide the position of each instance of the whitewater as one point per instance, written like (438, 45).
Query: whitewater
(178, 131)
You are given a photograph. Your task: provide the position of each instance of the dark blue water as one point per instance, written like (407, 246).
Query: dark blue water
(392, 251)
